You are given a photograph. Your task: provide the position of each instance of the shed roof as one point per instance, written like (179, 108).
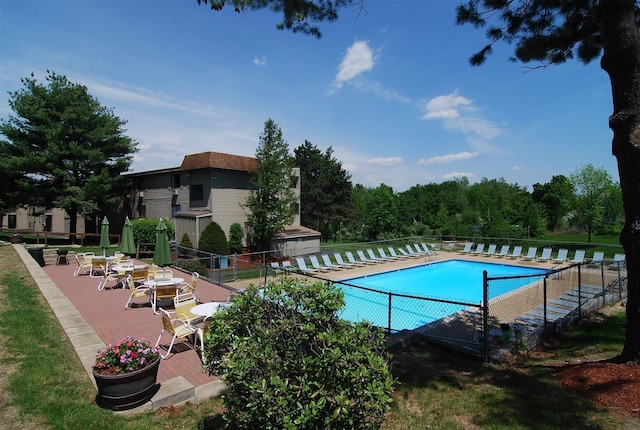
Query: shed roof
(218, 160)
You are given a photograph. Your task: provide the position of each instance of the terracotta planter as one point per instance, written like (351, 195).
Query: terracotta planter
(129, 390)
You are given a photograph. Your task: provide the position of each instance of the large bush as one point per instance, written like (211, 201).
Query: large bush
(144, 229)
(213, 240)
(290, 362)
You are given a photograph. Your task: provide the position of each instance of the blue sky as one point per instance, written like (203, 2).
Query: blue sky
(389, 88)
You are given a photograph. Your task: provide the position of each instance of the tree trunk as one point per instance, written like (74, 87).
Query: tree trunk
(621, 60)
(73, 222)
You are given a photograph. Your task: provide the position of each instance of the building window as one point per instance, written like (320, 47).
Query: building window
(48, 222)
(297, 209)
(294, 181)
(174, 210)
(175, 181)
(196, 192)
(143, 211)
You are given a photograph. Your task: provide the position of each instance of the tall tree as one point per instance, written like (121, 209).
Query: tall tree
(381, 212)
(271, 202)
(325, 189)
(557, 197)
(550, 32)
(592, 186)
(64, 149)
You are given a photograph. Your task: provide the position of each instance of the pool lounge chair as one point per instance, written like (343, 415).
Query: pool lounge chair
(287, 266)
(618, 262)
(316, 264)
(330, 264)
(546, 255)
(302, 266)
(561, 257)
(364, 259)
(411, 252)
(531, 254)
(466, 249)
(353, 260)
(479, 249)
(407, 254)
(517, 250)
(384, 255)
(578, 257)
(374, 257)
(504, 251)
(393, 253)
(343, 263)
(597, 259)
(431, 251)
(490, 251)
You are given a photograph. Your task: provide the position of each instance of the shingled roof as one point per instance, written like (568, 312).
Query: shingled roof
(218, 160)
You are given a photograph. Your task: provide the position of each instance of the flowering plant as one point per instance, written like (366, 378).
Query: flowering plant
(126, 356)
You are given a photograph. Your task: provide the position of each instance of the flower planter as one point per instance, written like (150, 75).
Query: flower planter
(128, 390)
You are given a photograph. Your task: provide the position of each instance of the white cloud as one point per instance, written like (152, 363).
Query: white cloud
(357, 60)
(458, 114)
(449, 158)
(454, 175)
(262, 61)
(517, 168)
(385, 161)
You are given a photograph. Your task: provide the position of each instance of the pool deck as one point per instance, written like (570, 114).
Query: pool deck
(92, 319)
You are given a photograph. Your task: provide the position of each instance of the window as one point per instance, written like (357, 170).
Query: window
(294, 181)
(175, 208)
(143, 211)
(12, 221)
(175, 181)
(196, 192)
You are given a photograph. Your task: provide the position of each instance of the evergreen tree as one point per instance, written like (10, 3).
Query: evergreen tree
(272, 200)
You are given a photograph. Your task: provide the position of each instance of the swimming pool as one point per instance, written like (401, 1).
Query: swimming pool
(452, 280)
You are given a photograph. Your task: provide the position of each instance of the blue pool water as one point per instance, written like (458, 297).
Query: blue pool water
(453, 280)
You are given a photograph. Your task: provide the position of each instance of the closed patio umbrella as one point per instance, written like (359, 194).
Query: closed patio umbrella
(104, 236)
(161, 253)
(127, 245)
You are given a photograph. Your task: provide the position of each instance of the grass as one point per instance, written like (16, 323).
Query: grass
(45, 385)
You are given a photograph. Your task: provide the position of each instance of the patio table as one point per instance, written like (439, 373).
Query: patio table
(163, 289)
(209, 308)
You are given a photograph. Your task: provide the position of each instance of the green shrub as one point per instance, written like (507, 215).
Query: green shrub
(144, 229)
(193, 265)
(290, 362)
(235, 238)
(186, 241)
(213, 240)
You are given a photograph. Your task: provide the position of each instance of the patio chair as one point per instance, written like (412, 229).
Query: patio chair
(110, 276)
(330, 264)
(302, 266)
(365, 259)
(406, 253)
(578, 257)
(392, 252)
(374, 257)
(353, 260)
(136, 291)
(531, 254)
(618, 261)
(466, 249)
(83, 267)
(479, 249)
(490, 251)
(276, 267)
(287, 266)
(316, 264)
(430, 248)
(561, 257)
(546, 255)
(384, 255)
(424, 250)
(177, 327)
(98, 265)
(190, 287)
(343, 263)
(504, 251)
(140, 275)
(163, 274)
(517, 250)
(183, 303)
(597, 259)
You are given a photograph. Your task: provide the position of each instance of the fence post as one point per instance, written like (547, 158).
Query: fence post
(604, 290)
(544, 301)
(485, 317)
(579, 291)
(389, 316)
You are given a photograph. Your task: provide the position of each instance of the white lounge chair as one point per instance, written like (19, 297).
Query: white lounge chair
(330, 264)
(343, 263)
(479, 249)
(466, 249)
(504, 251)
(546, 255)
(302, 266)
(517, 250)
(561, 257)
(364, 259)
(393, 253)
(578, 257)
(411, 252)
(316, 264)
(618, 261)
(374, 257)
(429, 247)
(490, 251)
(531, 254)
(597, 259)
(353, 260)
(384, 255)
(405, 253)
